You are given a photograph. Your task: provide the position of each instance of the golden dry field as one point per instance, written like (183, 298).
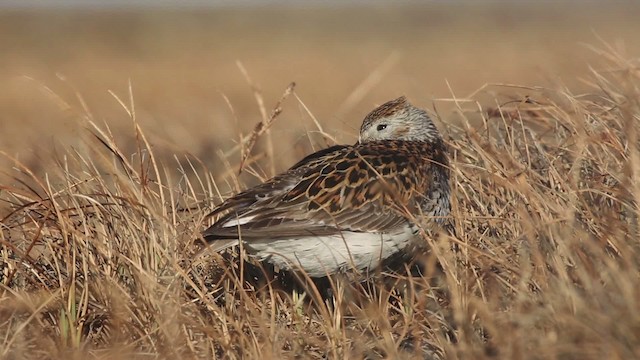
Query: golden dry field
(121, 130)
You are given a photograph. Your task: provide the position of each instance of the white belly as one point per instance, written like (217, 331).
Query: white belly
(323, 255)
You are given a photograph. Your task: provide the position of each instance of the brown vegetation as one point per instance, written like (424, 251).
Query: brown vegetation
(543, 262)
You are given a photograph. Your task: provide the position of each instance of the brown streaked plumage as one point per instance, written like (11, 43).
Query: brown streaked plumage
(348, 205)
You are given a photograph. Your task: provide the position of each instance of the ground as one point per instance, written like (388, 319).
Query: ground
(121, 130)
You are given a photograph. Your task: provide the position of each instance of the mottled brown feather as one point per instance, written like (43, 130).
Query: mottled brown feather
(366, 187)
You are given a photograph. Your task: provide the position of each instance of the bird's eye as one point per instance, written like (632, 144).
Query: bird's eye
(382, 127)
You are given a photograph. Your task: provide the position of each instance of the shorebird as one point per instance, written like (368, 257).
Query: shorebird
(347, 206)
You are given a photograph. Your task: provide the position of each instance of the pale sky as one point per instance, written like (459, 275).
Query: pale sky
(226, 3)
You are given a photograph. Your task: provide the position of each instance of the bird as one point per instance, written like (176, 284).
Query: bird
(346, 206)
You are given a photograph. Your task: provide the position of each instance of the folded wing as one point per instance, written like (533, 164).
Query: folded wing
(362, 188)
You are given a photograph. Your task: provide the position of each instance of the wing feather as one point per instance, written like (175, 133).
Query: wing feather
(364, 188)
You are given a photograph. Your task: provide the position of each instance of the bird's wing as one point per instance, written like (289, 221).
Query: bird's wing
(364, 188)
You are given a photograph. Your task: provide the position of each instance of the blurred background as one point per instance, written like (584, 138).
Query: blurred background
(61, 61)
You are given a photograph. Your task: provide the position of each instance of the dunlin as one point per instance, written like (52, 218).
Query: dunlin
(347, 206)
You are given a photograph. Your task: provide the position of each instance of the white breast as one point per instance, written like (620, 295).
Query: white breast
(323, 255)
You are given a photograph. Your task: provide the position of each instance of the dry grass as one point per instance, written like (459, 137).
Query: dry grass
(542, 262)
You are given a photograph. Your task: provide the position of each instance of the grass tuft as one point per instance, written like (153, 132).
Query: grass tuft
(541, 261)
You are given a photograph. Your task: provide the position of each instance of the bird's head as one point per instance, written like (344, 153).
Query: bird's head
(398, 120)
